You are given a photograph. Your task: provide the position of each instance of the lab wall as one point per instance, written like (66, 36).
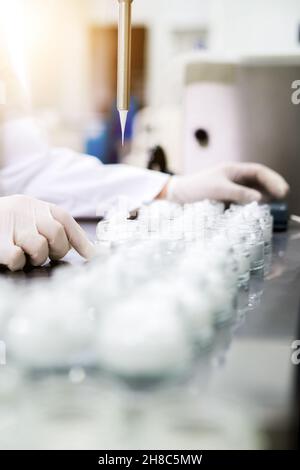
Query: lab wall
(268, 26)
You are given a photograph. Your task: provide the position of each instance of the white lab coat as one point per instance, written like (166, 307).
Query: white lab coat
(76, 182)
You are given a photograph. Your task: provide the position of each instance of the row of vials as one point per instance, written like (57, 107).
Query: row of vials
(151, 302)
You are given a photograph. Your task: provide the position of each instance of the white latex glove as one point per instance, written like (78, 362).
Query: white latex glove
(29, 227)
(232, 182)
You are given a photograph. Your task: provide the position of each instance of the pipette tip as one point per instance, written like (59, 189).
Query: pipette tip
(123, 118)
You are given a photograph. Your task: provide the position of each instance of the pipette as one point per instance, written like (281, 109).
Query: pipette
(124, 62)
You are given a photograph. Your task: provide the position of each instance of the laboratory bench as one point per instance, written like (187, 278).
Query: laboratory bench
(242, 394)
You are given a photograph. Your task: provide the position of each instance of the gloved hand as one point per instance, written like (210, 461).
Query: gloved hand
(39, 230)
(233, 182)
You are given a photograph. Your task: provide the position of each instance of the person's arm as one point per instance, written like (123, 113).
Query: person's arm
(79, 183)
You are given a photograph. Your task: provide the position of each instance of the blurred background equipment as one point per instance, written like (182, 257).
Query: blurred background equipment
(241, 110)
